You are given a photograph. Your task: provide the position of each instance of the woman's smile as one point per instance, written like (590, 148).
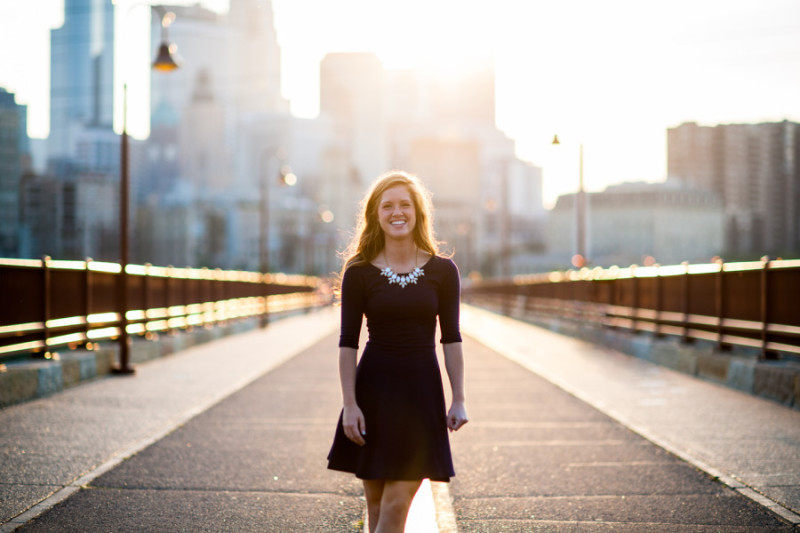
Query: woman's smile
(396, 212)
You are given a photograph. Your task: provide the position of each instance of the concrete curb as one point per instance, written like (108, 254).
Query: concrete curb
(30, 379)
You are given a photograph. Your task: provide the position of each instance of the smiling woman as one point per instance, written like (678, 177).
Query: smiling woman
(393, 429)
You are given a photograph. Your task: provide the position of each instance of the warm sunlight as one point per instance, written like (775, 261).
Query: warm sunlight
(429, 44)
(611, 75)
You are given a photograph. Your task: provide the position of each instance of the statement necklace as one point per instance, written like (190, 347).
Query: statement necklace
(404, 279)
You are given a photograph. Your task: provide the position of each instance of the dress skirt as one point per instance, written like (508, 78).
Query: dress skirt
(401, 396)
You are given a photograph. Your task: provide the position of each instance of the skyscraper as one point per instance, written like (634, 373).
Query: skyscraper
(81, 73)
(353, 94)
(14, 153)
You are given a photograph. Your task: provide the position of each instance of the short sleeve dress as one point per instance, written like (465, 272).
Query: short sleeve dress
(398, 381)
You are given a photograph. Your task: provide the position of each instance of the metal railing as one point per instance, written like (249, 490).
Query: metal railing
(46, 304)
(751, 304)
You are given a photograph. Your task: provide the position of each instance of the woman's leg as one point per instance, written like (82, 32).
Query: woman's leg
(396, 500)
(373, 491)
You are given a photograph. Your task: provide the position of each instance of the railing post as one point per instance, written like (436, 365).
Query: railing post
(87, 295)
(719, 302)
(168, 296)
(264, 319)
(764, 306)
(659, 289)
(46, 303)
(146, 298)
(685, 302)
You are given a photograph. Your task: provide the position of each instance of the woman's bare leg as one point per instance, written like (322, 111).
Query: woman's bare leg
(373, 491)
(396, 500)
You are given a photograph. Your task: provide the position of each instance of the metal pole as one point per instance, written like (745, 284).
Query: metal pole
(764, 290)
(505, 226)
(580, 206)
(122, 282)
(263, 235)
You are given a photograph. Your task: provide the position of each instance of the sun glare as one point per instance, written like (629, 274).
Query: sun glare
(438, 35)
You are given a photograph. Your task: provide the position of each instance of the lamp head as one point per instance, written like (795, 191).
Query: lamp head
(165, 60)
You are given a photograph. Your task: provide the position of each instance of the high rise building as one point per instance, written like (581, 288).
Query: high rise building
(14, 161)
(81, 73)
(216, 122)
(755, 168)
(353, 94)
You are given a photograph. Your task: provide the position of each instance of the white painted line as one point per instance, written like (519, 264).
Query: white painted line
(422, 515)
(431, 510)
(445, 515)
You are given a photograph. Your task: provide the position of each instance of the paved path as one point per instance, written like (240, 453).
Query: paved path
(231, 436)
(538, 458)
(749, 443)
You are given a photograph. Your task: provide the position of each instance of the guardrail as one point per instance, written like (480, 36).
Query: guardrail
(752, 304)
(47, 303)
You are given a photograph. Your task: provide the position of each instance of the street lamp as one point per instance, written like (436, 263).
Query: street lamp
(579, 259)
(164, 62)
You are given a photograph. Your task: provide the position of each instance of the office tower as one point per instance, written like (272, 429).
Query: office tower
(353, 95)
(755, 168)
(81, 73)
(14, 161)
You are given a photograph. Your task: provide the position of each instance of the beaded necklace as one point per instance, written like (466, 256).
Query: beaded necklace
(402, 279)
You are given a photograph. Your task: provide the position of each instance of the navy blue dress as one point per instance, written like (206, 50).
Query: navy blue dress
(398, 381)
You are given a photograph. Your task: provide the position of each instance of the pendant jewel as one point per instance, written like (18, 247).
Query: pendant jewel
(404, 279)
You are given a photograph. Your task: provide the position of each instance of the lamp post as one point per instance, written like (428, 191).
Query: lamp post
(579, 259)
(284, 177)
(164, 62)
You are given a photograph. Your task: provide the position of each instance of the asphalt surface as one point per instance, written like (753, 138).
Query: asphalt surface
(232, 436)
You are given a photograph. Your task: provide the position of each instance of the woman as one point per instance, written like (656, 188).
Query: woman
(392, 432)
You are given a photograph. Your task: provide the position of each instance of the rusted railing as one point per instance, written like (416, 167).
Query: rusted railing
(752, 304)
(46, 304)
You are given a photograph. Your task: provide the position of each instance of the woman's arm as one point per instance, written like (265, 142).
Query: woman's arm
(454, 363)
(352, 417)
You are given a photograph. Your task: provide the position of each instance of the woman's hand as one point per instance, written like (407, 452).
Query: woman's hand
(457, 416)
(353, 423)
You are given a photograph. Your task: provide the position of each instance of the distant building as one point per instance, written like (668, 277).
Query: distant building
(755, 169)
(81, 73)
(203, 156)
(237, 52)
(71, 211)
(219, 125)
(441, 126)
(89, 223)
(14, 163)
(353, 94)
(638, 222)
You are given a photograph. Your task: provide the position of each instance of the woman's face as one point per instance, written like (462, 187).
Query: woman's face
(396, 213)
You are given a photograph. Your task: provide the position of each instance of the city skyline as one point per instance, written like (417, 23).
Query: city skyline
(613, 76)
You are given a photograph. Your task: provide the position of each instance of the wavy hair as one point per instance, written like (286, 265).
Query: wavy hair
(369, 240)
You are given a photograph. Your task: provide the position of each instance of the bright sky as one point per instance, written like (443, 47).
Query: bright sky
(612, 74)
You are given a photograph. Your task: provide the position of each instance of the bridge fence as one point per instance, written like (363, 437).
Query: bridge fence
(47, 304)
(751, 304)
